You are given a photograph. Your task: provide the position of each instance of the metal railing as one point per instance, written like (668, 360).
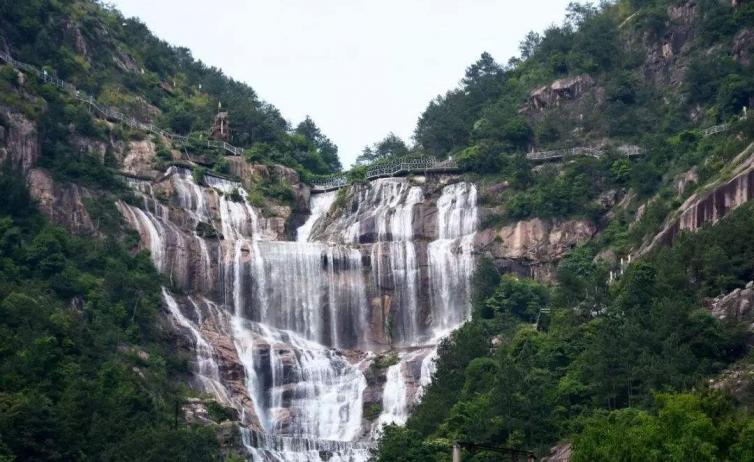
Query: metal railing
(114, 114)
(397, 168)
(724, 127)
(715, 129)
(424, 165)
(327, 184)
(561, 153)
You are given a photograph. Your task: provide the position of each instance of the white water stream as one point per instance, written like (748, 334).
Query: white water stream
(294, 312)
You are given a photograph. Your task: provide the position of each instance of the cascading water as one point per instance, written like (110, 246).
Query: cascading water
(319, 205)
(295, 315)
(451, 259)
(207, 370)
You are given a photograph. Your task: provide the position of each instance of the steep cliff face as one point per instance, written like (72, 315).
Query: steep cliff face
(19, 136)
(534, 247)
(62, 203)
(19, 153)
(289, 333)
(713, 202)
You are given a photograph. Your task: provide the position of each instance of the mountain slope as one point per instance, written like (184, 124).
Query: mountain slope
(587, 360)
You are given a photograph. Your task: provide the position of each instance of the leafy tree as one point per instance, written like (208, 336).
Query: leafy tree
(401, 445)
(68, 306)
(521, 298)
(390, 146)
(326, 149)
(529, 44)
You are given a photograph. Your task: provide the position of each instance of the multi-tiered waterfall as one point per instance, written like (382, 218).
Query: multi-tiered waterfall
(287, 332)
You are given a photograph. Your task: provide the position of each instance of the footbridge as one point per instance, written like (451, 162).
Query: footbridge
(421, 166)
(425, 166)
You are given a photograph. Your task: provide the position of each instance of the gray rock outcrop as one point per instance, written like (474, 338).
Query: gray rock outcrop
(561, 90)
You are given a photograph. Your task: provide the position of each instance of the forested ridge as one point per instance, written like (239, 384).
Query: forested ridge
(624, 370)
(86, 370)
(119, 61)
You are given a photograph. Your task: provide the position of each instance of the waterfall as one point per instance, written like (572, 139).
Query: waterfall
(319, 205)
(451, 260)
(239, 219)
(288, 336)
(315, 290)
(394, 397)
(208, 372)
(189, 195)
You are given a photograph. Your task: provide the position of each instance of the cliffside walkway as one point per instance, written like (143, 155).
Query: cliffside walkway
(557, 154)
(430, 165)
(323, 185)
(400, 168)
(724, 127)
(112, 114)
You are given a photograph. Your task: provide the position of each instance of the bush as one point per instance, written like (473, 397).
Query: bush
(385, 361)
(519, 297)
(198, 174)
(220, 413)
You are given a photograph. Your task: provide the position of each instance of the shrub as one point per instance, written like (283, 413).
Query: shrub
(198, 175)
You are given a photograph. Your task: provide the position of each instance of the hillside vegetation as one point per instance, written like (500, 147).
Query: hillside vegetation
(619, 370)
(122, 64)
(89, 369)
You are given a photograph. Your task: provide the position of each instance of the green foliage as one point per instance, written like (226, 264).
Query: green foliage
(221, 165)
(69, 307)
(357, 174)
(446, 124)
(390, 147)
(385, 361)
(682, 427)
(198, 174)
(150, 72)
(563, 193)
(74, 156)
(220, 413)
(401, 445)
(518, 297)
(373, 411)
(593, 369)
(323, 147)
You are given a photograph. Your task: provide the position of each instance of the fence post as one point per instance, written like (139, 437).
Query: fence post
(456, 452)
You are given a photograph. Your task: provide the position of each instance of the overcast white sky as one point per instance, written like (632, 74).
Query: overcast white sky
(359, 68)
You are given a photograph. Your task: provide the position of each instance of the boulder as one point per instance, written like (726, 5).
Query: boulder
(536, 240)
(743, 45)
(139, 158)
(736, 306)
(195, 412)
(684, 180)
(737, 381)
(559, 453)
(662, 64)
(552, 95)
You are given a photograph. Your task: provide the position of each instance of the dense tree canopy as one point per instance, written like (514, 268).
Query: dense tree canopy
(73, 315)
